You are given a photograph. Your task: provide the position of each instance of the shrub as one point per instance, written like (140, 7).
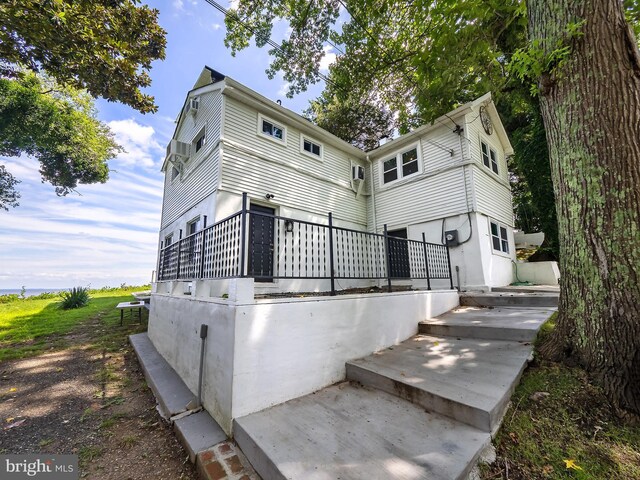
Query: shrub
(75, 298)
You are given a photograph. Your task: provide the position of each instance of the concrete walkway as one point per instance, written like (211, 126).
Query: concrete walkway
(424, 409)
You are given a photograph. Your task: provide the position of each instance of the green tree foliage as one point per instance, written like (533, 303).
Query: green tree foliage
(58, 128)
(408, 63)
(8, 194)
(103, 46)
(55, 55)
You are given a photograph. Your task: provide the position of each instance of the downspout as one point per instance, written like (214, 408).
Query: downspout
(373, 196)
(373, 203)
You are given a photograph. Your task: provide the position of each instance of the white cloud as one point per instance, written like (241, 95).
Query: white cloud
(233, 4)
(139, 142)
(284, 88)
(328, 58)
(178, 4)
(216, 26)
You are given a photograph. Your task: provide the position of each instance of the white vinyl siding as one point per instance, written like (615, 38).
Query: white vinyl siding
(297, 180)
(492, 197)
(475, 136)
(436, 191)
(200, 173)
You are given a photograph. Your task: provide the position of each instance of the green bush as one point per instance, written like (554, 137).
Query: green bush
(75, 298)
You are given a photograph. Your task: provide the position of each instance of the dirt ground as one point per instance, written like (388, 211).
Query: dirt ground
(92, 400)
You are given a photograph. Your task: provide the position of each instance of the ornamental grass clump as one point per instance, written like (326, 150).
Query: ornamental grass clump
(75, 298)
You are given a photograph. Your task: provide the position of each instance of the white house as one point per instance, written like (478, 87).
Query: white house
(259, 200)
(447, 181)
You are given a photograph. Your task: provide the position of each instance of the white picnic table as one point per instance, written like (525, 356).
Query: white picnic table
(122, 306)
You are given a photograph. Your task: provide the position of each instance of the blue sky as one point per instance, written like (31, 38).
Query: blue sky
(107, 234)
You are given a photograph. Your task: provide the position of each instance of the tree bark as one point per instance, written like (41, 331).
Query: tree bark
(590, 104)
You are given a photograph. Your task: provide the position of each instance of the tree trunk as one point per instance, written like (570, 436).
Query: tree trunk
(590, 104)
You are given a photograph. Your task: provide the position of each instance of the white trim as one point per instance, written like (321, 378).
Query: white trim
(283, 129)
(304, 137)
(491, 146)
(398, 157)
(203, 131)
(500, 225)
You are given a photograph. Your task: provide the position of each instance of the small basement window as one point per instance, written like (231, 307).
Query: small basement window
(311, 147)
(271, 129)
(404, 164)
(499, 238)
(489, 157)
(193, 225)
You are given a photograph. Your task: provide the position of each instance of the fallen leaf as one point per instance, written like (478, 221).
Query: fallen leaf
(547, 470)
(15, 424)
(435, 344)
(571, 464)
(10, 419)
(14, 389)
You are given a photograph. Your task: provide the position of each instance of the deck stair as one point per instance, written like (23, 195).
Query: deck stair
(423, 409)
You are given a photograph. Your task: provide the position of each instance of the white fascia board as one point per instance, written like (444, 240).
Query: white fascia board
(249, 97)
(444, 120)
(190, 94)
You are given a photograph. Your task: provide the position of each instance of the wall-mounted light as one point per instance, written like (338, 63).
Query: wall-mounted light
(288, 226)
(269, 196)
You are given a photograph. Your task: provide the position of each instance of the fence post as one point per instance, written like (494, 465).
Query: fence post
(388, 256)
(243, 235)
(179, 256)
(331, 272)
(426, 260)
(202, 247)
(449, 265)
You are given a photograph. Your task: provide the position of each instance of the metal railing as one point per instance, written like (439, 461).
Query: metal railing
(265, 247)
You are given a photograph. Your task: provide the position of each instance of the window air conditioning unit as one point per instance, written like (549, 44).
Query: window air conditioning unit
(177, 150)
(192, 106)
(357, 172)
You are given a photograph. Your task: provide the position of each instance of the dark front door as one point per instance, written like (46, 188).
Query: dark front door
(261, 243)
(399, 254)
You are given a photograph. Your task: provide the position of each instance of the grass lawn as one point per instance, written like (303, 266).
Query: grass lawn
(567, 432)
(29, 326)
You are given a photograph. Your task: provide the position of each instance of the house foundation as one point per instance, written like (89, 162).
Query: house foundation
(259, 353)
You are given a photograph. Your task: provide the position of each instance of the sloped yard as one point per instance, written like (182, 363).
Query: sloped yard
(70, 383)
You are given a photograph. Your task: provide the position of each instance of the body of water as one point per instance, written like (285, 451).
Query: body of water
(29, 292)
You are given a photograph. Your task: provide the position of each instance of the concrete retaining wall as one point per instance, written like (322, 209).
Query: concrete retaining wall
(538, 273)
(265, 352)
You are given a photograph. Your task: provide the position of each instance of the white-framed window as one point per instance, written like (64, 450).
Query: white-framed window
(489, 157)
(271, 129)
(168, 240)
(499, 237)
(200, 140)
(174, 172)
(403, 164)
(193, 226)
(310, 147)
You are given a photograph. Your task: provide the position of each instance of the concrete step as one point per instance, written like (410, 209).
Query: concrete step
(509, 299)
(349, 432)
(500, 323)
(197, 431)
(167, 386)
(467, 380)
